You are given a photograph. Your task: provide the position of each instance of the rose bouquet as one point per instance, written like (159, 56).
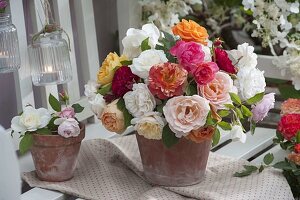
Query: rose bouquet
(53, 137)
(174, 87)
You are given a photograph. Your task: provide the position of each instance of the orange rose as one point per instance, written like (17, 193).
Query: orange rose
(201, 134)
(190, 31)
(290, 106)
(294, 157)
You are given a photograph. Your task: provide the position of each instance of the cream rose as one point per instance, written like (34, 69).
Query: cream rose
(250, 82)
(112, 118)
(140, 100)
(90, 89)
(217, 91)
(31, 119)
(150, 125)
(142, 64)
(97, 105)
(134, 37)
(186, 113)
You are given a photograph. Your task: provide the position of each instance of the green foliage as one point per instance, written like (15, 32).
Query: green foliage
(252, 127)
(51, 126)
(223, 113)
(230, 106)
(44, 131)
(246, 112)
(210, 120)
(268, 159)
(216, 137)
(25, 143)
(191, 89)
(224, 125)
(248, 169)
(145, 44)
(298, 137)
(167, 42)
(54, 103)
(235, 98)
(159, 107)
(257, 98)
(77, 108)
(239, 113)
(105, 89)
(288, 91)
(168, 137)
(126, 62)
(127, 116)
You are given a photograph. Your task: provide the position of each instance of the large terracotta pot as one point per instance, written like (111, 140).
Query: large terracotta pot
(55, 157)
(181, 165)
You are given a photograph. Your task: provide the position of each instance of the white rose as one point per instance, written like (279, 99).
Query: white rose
(206, 50)
(150, 125)
(244, 56)
(134, 37)
(250, 82)
(97, 105)
(90, 89)
(31, 119)
(140, 100)
(142, 64)
(237, 134)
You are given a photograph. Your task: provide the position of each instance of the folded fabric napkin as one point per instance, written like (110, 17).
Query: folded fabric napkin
(112, 169)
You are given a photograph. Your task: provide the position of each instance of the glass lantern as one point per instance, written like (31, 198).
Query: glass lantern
(50, 60)
(9, 45)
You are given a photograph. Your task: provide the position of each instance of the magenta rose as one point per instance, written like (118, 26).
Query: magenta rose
(188, 54)
(123, 81)
(205, 72)
(3, 4)
(67, 113)
(224, 62)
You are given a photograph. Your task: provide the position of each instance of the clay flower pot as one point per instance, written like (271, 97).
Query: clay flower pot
(181, 165)
(55, 157)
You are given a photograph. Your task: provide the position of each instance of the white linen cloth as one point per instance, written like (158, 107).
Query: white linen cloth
(112, 169)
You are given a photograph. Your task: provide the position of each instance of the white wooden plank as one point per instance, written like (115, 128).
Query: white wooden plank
(277, 151)
(271, 71)
(63, 17)
(38, 20)
(42, 194)
(22, 78)
(255, 143)
(87, 40)
(129, 16)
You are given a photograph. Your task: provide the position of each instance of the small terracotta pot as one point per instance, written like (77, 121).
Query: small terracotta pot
(181, 165)
(55, 157)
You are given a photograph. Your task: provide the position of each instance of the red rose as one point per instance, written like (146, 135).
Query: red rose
(289, 125)
(205, 72)
(297, 148)
(123, 81)
(224, 62)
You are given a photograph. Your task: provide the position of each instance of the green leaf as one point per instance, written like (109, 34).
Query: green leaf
(257, 98)
(279, 136)
(252, 127)
(54, 103)
(168, 36)
(210, 120)
(298, 137)
(288, 91)
(284, 165)
(168, 137)
(44, 131)
(225, 125)
(105, 89)
(268, 159)
(25, 143)
(126, 62)
(239, 113)
(145, 44)
(191, 89)
(77, 108)
(235, 98)
(159, 108)
(230, 106)
(242, 174)
(216, 137)
(246, 112)
(127, 116)
(250, 168)
(51, 124)
(261, 168)
(223, 113)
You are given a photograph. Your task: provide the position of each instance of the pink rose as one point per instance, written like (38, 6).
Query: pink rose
(67, 113)
(217, 91)
(261, 109)
(69, 128)
(186, 113)
(205, 72)
(188, 54)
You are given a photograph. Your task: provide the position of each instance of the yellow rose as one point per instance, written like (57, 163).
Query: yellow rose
(112, 118)
(108, 68)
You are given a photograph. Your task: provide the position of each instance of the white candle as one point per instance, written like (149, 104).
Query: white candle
(48, 69)
(2, 55)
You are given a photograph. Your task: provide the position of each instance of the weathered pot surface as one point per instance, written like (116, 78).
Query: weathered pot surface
(55, 157)
(181, 165)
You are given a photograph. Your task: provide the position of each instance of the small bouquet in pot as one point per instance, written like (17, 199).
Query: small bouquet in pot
(170, 86)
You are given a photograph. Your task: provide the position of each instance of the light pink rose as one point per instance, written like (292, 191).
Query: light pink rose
(67, 113)
(261, 109)
(217, 91)
(69, 128)
(188, 54)
(205, 72)
(186, 113)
